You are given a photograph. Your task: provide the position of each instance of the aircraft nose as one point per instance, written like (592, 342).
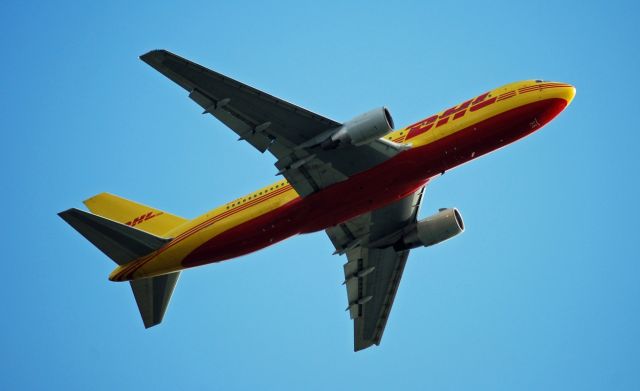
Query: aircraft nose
(555, 97)
(549, 90)
(567, 93)
(563, 91)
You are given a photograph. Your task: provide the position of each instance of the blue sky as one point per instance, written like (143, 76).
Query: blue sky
(540, 292)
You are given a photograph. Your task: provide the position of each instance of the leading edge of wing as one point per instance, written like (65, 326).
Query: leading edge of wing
(161, 59)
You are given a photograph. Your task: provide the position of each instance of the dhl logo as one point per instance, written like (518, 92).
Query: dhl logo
(142, 218)
(454, 113)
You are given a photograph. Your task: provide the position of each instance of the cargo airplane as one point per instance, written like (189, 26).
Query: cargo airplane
(360, 181)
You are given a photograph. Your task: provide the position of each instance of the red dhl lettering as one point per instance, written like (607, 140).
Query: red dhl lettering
(142, 218)
(457, 112)
(482, 101)
(421, 127)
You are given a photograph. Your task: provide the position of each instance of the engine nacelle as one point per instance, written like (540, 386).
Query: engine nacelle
(362, 130)
(434, 229)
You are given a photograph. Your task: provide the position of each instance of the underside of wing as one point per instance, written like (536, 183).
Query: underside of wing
(372, 274)
(372, 296)
(255, 116)
(291, 133)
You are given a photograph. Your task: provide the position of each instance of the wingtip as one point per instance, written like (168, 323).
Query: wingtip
(67, 212)
(152, 54)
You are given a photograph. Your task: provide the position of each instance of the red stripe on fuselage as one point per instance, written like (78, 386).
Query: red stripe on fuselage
(381, 185)
(230, 212)
(506, 95)
(130, 269)
(541, 87)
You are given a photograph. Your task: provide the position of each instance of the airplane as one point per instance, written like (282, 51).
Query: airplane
(360, 181)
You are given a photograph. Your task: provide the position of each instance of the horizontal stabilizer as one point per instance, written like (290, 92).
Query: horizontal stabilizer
(119, 242)
(153, 295)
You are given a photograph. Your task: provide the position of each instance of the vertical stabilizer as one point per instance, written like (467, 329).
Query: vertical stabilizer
(153, 296)
(123, 244)
(133, 214)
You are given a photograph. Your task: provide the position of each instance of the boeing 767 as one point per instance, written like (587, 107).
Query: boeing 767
(360, 181)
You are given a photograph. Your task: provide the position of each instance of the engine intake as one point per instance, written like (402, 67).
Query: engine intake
(362, 130)
(434, 229)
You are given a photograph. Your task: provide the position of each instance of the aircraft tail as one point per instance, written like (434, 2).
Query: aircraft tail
(123, 244)
(133, 214)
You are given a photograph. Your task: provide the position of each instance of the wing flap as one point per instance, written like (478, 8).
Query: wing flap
(240, 124)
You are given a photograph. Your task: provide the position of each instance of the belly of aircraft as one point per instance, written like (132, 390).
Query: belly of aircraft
(388, 182)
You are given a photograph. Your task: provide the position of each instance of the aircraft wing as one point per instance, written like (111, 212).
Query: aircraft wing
(372, 275)
(270, 123)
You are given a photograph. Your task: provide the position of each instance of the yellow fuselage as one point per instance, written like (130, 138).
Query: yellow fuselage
(438, 143)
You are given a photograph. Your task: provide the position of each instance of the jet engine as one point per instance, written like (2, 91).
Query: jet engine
(361, 130)
(443, 225)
